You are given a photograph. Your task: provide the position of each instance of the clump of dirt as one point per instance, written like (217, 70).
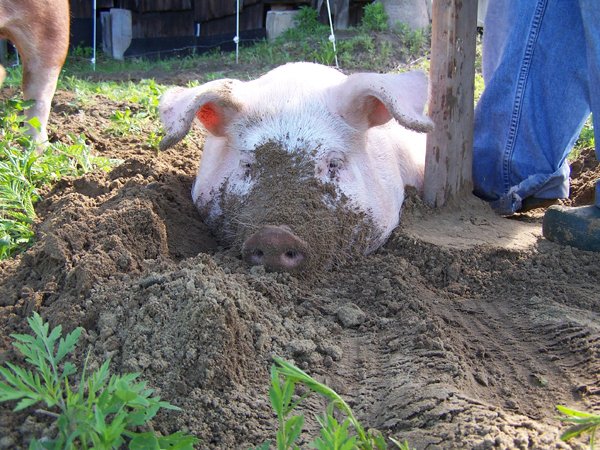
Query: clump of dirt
(585, 172)
(285, 192)
(445, 345)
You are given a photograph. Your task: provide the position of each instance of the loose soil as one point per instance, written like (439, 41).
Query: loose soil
(463, 331)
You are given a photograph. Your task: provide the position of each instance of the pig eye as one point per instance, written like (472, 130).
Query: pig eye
(246, 166)
(335, 165)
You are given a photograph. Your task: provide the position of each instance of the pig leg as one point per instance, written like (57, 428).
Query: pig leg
(2, 75)
(43, 48)
(42, 63)
(39, 86)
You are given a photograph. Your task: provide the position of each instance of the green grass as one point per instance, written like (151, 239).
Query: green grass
(24, 172)
(91, 410)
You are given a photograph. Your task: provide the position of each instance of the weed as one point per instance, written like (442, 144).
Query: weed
(586, 140)
(415, 42)
(349, 434)
(125, 122)
(586, 137)
(582, 423)
(307, 23)
(102, 411)
(374, 17)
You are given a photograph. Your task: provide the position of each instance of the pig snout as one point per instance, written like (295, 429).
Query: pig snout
(277, 248)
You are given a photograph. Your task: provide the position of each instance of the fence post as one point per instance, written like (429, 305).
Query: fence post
(450, 145)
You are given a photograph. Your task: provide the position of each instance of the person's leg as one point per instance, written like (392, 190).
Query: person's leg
(580, 226)
(534, 105)
(590, 14)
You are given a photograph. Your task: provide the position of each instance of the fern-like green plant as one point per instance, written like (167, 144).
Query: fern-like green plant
(100, 410)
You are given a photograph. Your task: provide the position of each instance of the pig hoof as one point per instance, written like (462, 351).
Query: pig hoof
(276, 248)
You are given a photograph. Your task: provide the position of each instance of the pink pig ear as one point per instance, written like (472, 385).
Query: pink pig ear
(367, 100)
(212, 103)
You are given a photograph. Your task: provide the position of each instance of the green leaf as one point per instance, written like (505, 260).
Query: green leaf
(275, 394)
(293, 428)
(124, 392)
(35, 123)
(575, 431)
(573, 412)
(98, 379)
(178, 441)
(167, 405)
(401, 445)
(144, 441)
(68, 370)
(67, 344)
(26, 403)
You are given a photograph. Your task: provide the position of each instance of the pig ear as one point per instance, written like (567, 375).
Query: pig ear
(212, 103)
(367, 100)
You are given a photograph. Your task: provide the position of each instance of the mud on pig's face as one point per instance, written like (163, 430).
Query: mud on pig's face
(288, 174)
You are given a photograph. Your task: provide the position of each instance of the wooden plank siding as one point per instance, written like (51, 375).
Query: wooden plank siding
(162, 24)
(206, 10)
(166, 18)
(253, 18)
(143, 6)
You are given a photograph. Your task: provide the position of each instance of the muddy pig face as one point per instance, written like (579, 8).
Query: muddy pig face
(304, 167)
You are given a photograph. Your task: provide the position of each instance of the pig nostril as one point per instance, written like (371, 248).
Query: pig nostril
(292, 259)
(256, 257)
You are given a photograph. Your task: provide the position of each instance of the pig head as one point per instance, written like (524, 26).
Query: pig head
(304, 167)
(40, 31)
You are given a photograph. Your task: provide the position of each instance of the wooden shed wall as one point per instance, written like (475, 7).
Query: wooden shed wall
(170, 18)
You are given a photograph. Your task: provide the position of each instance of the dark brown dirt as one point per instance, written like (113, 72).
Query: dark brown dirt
(463, 331)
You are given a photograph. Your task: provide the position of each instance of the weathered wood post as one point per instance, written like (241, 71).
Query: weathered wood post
(450, 145)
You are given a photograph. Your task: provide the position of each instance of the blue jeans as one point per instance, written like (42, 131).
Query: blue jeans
(541, 65)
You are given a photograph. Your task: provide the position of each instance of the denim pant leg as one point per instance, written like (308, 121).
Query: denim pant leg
(590, 14)
(535, 102)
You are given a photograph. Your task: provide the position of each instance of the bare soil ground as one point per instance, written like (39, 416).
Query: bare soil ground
(463, 331)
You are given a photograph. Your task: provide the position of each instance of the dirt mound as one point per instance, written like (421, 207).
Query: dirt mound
(585, 171)
(448, 346)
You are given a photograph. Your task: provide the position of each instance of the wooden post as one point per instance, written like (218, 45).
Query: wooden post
(450, 145)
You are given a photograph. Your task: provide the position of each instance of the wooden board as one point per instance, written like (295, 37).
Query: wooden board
(162, 24)
(251, 18)
(205, 10)
(82, 9)
(156, 5)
